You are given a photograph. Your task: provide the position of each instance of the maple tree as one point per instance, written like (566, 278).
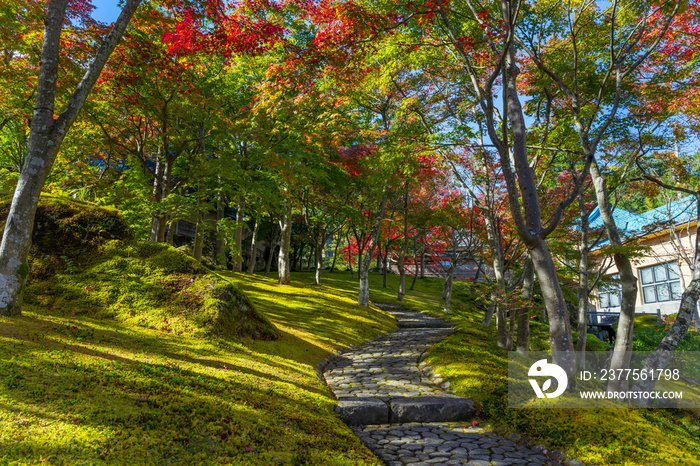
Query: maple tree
(43, 143)
(159, 110)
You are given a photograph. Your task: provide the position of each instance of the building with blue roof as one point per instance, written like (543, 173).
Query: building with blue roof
(668, 233)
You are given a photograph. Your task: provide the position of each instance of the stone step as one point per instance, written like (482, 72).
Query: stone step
(412, 319)
(422, 323)
(438, 408)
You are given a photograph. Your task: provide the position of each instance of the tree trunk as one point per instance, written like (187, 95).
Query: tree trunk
(582, 317)
(156, 193)
(559, 328)
(379, 253)
(511, 329)
(625, 326)
(522, 190)
(161, 188)
(449, 280)
(198, 240)
(271, 257)
(163, 177)
(501, 324)
(253, 248)
(359, 261)
(220, 250)
(335, 253)
(43, 144)
(415, 263)
(450, 270)
(495, 242)
(522, 344)
(319, 257)
(404, 249)
(488, 316)
(170, 238)
(363, 295)
(238, 236)
(283, 264)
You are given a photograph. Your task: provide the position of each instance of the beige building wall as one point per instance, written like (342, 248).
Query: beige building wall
(661, 250)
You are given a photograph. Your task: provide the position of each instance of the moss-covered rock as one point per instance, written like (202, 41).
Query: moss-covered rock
(66, 227)
(84, 261)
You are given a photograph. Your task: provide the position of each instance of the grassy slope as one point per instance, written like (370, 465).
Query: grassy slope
(477, 368)
(81, 389)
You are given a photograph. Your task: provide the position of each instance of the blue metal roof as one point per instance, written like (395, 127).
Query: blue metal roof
(631, 224)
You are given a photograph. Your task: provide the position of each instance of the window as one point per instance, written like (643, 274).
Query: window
(661, 283)
(609, 293)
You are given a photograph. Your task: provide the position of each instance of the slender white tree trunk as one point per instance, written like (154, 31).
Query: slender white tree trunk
(582, 320)
(319, 256)
(283, 265)
(449, 280)
(253, 248)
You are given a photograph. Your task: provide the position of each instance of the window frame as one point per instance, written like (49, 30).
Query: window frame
(651, 283)
(609, 290)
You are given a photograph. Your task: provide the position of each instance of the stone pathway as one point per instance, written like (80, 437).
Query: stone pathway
(403, 412)
(445, 444)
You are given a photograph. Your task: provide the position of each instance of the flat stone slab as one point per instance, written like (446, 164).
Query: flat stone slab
(446, 444)
(358, 411)
(413, 319)
(431, 409)
(415, 323)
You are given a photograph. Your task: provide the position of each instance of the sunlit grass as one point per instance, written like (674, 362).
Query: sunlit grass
(77, 389)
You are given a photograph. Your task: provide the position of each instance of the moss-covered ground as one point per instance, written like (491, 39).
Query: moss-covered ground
(130, 352)
(96, 386)
(477, 368)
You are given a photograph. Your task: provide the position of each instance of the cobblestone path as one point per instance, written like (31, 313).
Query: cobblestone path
(403, 412)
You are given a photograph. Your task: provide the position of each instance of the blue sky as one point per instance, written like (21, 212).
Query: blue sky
(106, 11)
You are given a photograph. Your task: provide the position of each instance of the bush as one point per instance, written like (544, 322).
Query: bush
(649, 339)
(593, 343)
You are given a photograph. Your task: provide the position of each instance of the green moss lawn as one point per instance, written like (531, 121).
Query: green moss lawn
(103, 367)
